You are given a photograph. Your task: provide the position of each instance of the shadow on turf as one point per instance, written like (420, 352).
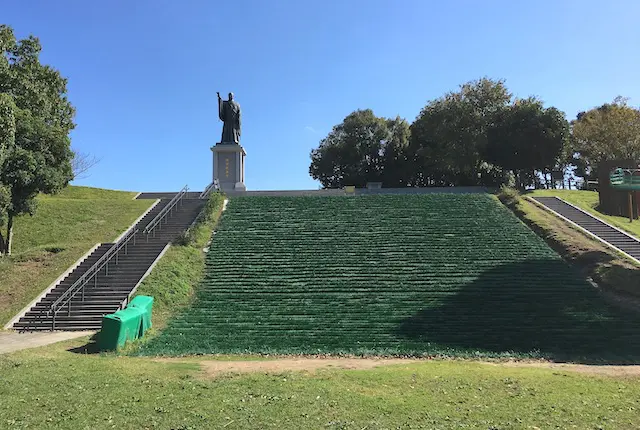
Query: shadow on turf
(535, 306)
(90, 347)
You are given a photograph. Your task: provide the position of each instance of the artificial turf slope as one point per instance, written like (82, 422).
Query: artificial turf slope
(453, 274)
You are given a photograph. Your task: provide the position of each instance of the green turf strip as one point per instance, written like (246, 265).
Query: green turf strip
(452, 274)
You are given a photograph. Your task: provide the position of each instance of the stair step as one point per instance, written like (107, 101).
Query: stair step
(78, 310)
(61, 327)
(89, 296)
(63, 316)
(60, 321)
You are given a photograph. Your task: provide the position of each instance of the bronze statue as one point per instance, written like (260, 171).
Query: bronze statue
(229, 113)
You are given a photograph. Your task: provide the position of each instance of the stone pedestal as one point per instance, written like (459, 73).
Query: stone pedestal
(228, 166)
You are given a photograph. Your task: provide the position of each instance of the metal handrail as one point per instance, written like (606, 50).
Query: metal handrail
(91, 272)
(212, 186)
(166, 210)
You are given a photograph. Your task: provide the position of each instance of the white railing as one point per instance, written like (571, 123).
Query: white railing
(215, 185)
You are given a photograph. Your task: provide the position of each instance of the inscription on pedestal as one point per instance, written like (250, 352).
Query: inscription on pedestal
(228, 166)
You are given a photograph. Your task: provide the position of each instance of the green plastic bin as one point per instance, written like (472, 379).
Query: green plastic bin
(145, 303)
(120, 327)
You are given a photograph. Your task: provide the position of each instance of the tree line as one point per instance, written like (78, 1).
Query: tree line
(478, 135)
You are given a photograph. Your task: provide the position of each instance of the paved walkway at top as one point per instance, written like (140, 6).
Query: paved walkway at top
(11, 341)
(327, 192)
(167, 195)
(362, 191)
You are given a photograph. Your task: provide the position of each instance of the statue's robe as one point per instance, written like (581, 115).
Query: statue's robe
(229, 112)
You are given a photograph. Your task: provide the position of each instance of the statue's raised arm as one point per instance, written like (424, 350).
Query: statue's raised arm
(220, 105)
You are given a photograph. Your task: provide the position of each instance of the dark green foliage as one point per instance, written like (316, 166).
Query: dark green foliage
(7, 142)
(509, 196)
(474, 136)
(449, 136)
(39, 158)
(526, 137)
(33, 86)
(448, 274)
(7, 125)
(363, 148)
(608, 132)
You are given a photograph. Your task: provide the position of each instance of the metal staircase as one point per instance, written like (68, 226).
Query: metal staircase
(106, 279)
(596, 228)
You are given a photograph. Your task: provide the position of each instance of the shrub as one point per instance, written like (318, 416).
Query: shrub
(510, 197)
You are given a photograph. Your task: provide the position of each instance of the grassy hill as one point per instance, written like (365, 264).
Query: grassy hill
(64, 228)
(429, 274)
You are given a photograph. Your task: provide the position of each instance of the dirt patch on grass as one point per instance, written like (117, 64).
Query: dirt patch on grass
(212, 368)
(590, 369)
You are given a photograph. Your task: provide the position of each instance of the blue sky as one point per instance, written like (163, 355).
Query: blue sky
(143, 74)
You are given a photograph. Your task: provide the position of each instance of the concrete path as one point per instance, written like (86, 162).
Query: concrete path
(327, 192)
(11, 341)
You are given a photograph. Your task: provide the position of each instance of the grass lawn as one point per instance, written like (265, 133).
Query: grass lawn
(451, 275)
(50, 388)
(588, 201)
(64, 228)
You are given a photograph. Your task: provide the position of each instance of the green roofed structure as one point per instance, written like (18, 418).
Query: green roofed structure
(626, 180)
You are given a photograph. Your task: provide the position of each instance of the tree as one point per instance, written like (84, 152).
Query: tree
(608, 132)
(39, 159)
(449, 136)
(7, 141)
(363, 148)
(527, 137)
(82, 163)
